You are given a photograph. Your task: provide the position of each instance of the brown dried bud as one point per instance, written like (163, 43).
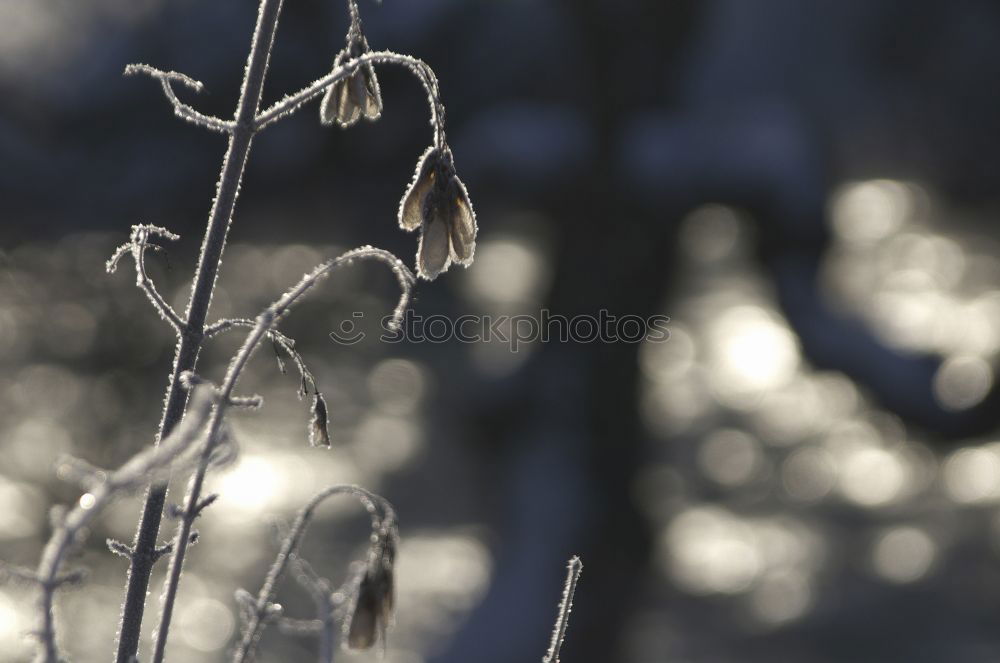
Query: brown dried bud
(437, 202)
(375, 598)
(355, 96)
(411, 207)
(319, 429)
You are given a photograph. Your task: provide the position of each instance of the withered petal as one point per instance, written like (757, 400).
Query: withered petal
(328, 106)
(358, 88)
(432, 255)
(411, 207)
(357, 95)
(319, 423)
(462, 219)
(387, 596)
(363, 630)
(372, 108)
(348, 112)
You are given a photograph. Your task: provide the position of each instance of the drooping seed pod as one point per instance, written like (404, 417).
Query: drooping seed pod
(375, 598)
(319, 423)
(438, 203)
(363, 631)
(434, 247)
(355, 96)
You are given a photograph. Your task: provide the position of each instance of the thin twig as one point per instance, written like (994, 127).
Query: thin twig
(318, 587)
(265, 321)
(324, 626)
(279, 339)
(189, 345)
(292, 102)
(289, 549)
(573, 571)
(137, 246)
(144, 550)
(181, 110)
(135, 472)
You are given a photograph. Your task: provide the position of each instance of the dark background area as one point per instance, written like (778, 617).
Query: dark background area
(806, 471)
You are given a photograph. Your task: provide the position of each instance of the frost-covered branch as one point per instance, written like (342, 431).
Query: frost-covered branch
(573, 571)
(137, 245)
(240, 134)
(420, 69)
(103, 488)
(265, 323)
(262, 609)
(281, 341)
(181, 110)
(327, 601)
(357, 95)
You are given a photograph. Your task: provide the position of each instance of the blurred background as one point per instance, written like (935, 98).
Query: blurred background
(808, 470)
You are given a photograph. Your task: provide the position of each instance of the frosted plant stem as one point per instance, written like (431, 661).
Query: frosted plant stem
(181, 110)
(262, 327)
(104, 489)
(189, 345)
(292, 102)
(573, 571)
(289, 549)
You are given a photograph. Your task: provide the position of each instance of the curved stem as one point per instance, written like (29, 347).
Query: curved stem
(280, 340)
(265, 322)
(181, 110)
(355, 15)
(146, 284)
(289, 548)
(420, 69)
(137, 245)
(133, 473)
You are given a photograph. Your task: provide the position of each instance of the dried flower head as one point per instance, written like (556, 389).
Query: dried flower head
(374, 602)
(319, 423)
(438, 203)
(355, 96)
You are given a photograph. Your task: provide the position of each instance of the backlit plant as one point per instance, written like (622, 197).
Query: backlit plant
(193, 435)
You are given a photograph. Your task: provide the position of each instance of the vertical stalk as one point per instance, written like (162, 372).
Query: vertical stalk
(190, 341)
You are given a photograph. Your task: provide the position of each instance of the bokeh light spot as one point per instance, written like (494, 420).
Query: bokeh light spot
(752, 352)
(962, 382)
(397, 385)
(252, 485)
(507, 271)
(903, 554)
(205, 624)
(711, 232)
(972, 475)
(709, 551)
(781, 597)
(730, 457)
(808, 474)
(872, 477)
(869, 211)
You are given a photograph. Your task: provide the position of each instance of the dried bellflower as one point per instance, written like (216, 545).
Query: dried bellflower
(438, 203)
(373, 604)
(319, 423)
(354, 96)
